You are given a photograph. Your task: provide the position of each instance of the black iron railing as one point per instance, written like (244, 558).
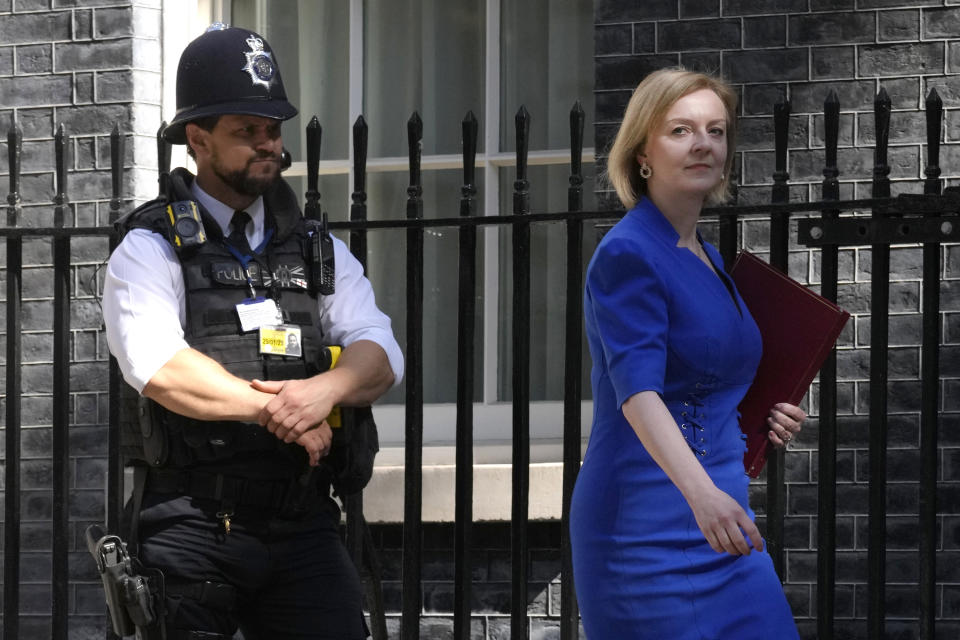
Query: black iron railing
(929, 218)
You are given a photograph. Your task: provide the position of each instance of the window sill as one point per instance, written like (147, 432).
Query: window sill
(383, 499)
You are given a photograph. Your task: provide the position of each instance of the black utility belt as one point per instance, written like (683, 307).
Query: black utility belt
(235, 492)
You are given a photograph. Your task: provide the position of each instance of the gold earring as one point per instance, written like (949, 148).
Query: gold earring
(645, 170)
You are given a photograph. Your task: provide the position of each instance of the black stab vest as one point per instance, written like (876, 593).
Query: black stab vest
(214, 284)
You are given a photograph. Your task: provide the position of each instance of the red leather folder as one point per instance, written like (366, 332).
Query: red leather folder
(799, 328)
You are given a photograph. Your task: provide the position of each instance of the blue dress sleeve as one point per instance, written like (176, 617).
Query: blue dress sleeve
(626, 304)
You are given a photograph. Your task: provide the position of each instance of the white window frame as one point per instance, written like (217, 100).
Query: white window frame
(492, 417)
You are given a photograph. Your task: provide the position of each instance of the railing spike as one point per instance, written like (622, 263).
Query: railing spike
(360, 137)
(831, 124)
(358, 208)
(881, 168)
(163, 158)
(520, 334)
(469, 129)
(14, 150)
(934, 112)
(314, 137)
(466, 309)
(522, 123)
(781, 131)
(116, 171)
(415, 126)
(577, 119)
(415, 151)
(412, 555)
(572, 392)
(575, 190)
(61, 145)
(521, 186)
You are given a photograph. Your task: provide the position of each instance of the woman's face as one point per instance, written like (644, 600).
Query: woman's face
(688, 149)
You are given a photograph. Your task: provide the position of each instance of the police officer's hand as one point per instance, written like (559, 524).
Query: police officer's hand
(317, 442)
(298, 405)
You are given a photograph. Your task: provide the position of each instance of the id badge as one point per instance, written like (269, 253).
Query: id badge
(257, 313)
(280, 340)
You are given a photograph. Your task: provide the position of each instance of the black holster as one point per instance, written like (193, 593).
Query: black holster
(134, 595)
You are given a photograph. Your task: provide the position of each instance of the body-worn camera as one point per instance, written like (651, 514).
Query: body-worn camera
(186, 224)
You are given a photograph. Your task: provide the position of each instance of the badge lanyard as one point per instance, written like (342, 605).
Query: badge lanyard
(255, 312)
(264, 315)
(244, 260)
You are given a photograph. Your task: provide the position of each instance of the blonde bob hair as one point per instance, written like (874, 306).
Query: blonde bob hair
(651, 101)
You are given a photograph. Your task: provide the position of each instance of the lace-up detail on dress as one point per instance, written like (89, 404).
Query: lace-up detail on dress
(693, 417)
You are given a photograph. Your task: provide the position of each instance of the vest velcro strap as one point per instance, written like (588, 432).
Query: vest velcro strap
(300, 317)
(215, 317)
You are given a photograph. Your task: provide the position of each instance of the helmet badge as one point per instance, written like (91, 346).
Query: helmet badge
(260, 64)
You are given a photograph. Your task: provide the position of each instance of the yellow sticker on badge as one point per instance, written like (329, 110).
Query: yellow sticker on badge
(280, 340)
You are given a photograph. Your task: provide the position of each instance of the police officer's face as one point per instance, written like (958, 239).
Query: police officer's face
(243, 152)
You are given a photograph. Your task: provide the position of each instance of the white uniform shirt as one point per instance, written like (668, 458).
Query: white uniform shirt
(144, 309)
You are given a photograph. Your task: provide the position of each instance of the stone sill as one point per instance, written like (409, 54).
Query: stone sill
(383, 499)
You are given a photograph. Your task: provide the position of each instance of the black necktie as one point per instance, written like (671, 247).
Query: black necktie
(238, 236)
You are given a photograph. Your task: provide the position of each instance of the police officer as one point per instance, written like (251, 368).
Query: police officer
(233, 497)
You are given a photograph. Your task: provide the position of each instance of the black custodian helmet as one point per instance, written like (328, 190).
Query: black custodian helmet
(227, 70)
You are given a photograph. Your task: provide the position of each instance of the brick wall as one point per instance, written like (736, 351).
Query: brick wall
(491, 574)
(86, 65)
(803, 49)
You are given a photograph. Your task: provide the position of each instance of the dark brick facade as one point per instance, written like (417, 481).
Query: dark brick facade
(67, 63)
(804, 49)
(491, 570)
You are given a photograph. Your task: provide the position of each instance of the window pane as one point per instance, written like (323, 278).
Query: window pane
(387, 268)
(424, 56)
(304, 35)
(387, 194)
(546, 64)
(331, 187)
(548, 284)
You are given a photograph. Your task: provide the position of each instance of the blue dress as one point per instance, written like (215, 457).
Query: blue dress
(658, 319)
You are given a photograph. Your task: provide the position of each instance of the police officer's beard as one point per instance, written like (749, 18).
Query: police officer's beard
(242, 182)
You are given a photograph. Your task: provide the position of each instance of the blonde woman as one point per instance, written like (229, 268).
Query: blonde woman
(664, 542)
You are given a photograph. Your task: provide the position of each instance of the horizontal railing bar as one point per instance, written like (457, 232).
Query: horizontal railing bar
(851, 232)
(906, 204)
(882, 207)
(55, 232)
(440, 162)
(738, 210)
